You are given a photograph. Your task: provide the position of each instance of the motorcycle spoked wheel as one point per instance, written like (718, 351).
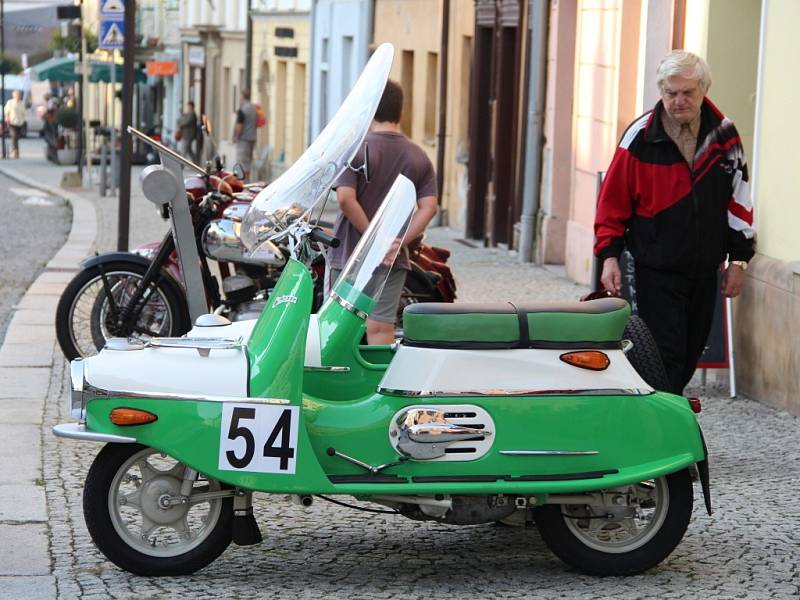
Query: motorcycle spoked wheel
(134, 531)
(632, 539)
(85, 317)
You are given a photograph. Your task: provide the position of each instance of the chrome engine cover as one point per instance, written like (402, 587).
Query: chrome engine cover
(221, 242)
(449, 432)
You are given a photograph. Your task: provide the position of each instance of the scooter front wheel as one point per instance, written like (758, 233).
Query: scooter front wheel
(632, 529)
(130, 511)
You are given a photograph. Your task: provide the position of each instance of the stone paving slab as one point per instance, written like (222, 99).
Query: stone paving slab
(22, 503)
(44, 302)
(26, 355)
(45, 288)
(21, 410)
(24, 550)
(23, 465)
(33, 317)
(24, 383)
(42, 587)
(31, 334)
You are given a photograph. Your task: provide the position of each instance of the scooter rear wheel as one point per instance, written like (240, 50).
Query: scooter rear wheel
(614, 539)
(127, 512)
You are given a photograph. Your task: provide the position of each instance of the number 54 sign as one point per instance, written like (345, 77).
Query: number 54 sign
(258, 437)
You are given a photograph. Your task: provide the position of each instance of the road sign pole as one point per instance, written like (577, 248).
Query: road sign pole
(127, 112)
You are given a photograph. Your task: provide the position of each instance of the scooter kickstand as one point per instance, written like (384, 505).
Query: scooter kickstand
(363, 465)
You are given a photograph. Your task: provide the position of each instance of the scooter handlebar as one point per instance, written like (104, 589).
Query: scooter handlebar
(319, 235)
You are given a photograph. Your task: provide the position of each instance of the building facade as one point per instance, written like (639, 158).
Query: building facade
(213, 63)
(281, 57)
(341, 35)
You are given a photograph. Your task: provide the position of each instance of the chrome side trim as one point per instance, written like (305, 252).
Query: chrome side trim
(445, 393)
(348, 306)
(327, 369)
(548, 452)
(77, 431)
(123, 394)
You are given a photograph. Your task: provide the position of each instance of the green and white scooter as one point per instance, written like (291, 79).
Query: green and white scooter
(483, 413)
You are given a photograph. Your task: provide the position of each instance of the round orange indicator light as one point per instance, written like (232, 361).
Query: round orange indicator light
(131, 416)
(593, 360)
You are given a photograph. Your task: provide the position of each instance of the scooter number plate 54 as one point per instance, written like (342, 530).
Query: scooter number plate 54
(259, 438)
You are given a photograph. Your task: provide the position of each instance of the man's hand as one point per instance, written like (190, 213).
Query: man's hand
(732, 281)
(611, 279)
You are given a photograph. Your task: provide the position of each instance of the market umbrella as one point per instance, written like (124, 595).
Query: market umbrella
(55, 69)
(101, 71)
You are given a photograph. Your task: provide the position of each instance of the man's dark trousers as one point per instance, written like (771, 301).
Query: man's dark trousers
(678, 308)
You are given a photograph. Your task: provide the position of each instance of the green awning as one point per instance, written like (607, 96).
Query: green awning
(101, 71)
(63, 69)
(55, 69)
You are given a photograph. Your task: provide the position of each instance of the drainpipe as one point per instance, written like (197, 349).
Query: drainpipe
(532, 176)
(443, 58)
(248, 49)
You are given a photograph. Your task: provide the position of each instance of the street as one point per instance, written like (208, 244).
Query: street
(747, 549)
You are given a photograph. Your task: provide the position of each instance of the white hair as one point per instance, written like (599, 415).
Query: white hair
(683, 64)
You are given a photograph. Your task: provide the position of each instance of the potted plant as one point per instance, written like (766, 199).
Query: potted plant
(68, 121)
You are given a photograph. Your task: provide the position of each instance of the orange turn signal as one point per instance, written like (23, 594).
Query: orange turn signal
(131, 416)
(587, 359)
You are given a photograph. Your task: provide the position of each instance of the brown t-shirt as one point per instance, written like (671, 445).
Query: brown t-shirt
(390, 154)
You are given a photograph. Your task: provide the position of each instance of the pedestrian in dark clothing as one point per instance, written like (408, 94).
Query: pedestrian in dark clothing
(187, 125)
(677, 194)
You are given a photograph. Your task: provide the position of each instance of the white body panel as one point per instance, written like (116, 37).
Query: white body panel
(170, 370)
(443, 370)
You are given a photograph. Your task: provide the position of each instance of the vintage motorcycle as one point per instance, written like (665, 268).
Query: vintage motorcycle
(141, 293)
(481, 413)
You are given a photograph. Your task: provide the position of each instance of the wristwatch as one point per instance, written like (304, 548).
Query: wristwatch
(742, 264)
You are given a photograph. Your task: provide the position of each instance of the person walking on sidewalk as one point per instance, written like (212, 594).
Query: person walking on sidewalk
(187, 125)
(390, 154)
(244, 133)
(14, 112)
(677, 194)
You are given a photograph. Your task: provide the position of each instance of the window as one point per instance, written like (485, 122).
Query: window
(431, 96)
(407, 82)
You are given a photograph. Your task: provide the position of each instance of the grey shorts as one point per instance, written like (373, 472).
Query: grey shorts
(244, 155)
(385, 309)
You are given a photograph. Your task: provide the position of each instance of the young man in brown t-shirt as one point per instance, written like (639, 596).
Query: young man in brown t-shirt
(390, 154)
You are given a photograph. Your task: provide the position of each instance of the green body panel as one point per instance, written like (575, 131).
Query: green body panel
(276, 349)
(504, 326)
(639, 436)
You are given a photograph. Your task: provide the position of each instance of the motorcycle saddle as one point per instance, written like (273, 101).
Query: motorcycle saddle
(592, 324)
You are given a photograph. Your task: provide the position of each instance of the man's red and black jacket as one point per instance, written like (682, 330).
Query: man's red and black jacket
(670, 216)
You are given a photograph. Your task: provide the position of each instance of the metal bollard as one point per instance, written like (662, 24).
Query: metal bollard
(103, 170)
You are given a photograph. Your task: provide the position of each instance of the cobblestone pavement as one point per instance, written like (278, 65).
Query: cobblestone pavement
(747, 549)
(35, 226)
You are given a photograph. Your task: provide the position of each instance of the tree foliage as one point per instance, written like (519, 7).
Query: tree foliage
(72, 42)
(9, 64)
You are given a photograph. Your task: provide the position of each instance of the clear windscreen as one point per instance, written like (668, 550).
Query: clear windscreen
(365, 273)
(295, 193)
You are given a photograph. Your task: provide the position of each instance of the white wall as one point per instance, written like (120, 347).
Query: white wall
(339, 27)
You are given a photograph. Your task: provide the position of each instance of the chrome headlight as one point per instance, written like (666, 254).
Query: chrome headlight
(76, 404)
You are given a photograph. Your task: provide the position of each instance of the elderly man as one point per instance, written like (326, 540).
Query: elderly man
(677, 194)
(14, 112)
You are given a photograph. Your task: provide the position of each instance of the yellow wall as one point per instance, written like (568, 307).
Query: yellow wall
(776, 172)
(414, 28)
(280, 84)
(605, 90)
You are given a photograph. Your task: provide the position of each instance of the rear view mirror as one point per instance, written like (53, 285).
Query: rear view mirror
(238, 171)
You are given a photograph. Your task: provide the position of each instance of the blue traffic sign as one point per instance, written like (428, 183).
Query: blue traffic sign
(111, 35)
(112, 8)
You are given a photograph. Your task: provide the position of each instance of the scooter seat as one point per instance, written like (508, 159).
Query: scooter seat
(592, 324)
